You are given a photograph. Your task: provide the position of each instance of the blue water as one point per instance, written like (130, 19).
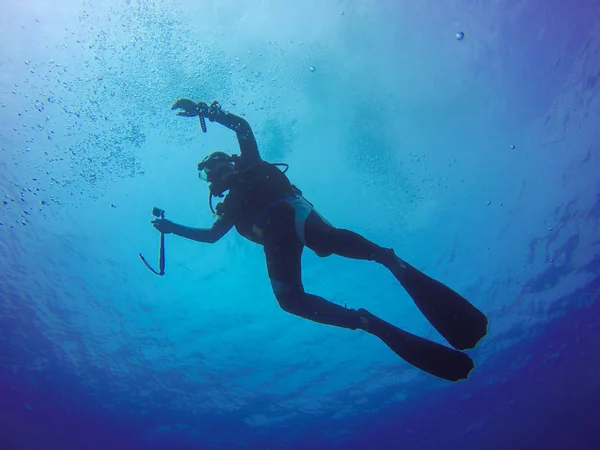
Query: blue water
(477, 159)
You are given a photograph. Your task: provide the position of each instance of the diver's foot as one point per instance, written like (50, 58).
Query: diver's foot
(365, 319)
(370, 323)
(394, 264)
(453, 316)
(426, 355)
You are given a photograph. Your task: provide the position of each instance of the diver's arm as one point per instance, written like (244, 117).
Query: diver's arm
(207, 235)
(214, 113)
(245, 136)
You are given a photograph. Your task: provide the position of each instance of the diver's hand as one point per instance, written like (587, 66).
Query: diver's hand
(192, 109)
(165, 226)
(213, 111)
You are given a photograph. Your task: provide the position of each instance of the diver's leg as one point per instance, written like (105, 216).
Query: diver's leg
(284, 268)
(325, 239)
(452, 315)
(283, 264)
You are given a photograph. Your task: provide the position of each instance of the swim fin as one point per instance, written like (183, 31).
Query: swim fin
(457, 320)
(429, 356)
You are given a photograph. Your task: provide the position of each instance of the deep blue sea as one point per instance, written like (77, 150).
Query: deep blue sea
(463, 134)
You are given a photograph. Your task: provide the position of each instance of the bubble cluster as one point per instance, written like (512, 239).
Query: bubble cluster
(78, 116)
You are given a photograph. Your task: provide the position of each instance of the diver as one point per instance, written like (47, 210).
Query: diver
(265, 207)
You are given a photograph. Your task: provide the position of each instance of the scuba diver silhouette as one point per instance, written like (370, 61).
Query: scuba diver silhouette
(266, 208)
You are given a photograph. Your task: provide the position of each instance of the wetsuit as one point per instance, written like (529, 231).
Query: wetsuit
(266, 208)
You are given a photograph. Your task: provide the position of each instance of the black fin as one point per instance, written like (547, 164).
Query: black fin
(429, 356)
(461, 324)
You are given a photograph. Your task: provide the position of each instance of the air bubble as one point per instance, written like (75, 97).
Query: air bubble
(460, 35)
